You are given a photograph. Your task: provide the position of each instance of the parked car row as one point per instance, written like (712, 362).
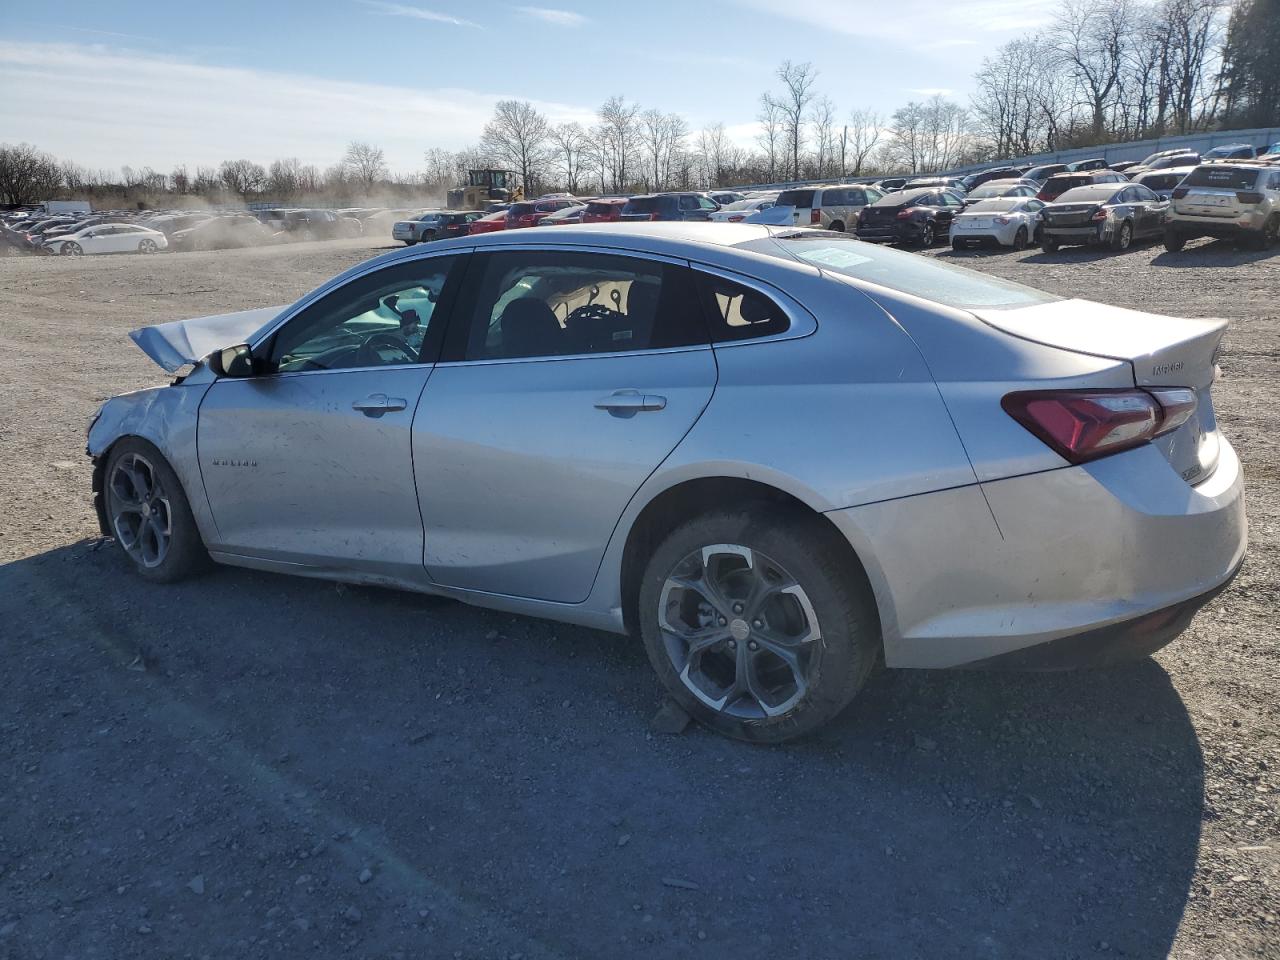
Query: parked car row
(149, 231)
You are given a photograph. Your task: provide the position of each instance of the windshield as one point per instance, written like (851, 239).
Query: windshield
(899, 270)
(641, 205)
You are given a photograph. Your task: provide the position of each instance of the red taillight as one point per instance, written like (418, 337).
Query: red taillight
(654, 215)
(815, 216)
(904, 214)
(736, 218)
(1003, 221)
(1180, 192)
(1100, 214)
(1043, 195)
(1082, 425)
(527, 220)
(1246, 197)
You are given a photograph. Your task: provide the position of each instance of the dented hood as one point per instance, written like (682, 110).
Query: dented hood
(180, 342)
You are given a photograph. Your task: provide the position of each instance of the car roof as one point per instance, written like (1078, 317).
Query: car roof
(1096, 189)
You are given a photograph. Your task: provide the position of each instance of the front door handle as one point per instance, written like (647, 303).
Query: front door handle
(376, 404)
(627, 402)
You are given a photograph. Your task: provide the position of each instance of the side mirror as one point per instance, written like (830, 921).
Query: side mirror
(234, 361)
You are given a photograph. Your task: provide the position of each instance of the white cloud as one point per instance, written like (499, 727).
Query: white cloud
(962, 23)
(417, 13)
(561, 18)
(104, 107)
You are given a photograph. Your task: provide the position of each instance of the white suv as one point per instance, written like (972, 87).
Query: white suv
(833, 208)
(1238, 201)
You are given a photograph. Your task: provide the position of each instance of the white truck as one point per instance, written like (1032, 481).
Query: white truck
(54, 207)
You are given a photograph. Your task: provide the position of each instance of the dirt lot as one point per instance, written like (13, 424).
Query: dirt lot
(255, 766)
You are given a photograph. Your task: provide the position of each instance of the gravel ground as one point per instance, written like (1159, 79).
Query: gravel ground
(255, 766)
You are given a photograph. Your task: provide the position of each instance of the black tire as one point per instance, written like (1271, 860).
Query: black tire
(1264, 238)
(1174, 241)
(1122, 239)
(837, 225)
(147, 245)
(836, 665)
(185, 554)
(1048, 244)
(427, 237)
(71, 249)
(1271, 232)
(958, 244)
(1020, 239)
(927, 234)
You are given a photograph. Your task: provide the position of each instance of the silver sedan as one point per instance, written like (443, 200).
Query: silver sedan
(779, 457)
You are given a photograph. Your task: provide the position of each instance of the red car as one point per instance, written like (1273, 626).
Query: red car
(606, 210)
(528, 213)
(490, 223)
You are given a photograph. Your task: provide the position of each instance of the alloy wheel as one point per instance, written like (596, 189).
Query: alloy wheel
(147, 246)
(1126, 236)
(72, 249)
(140, 511)
(739, 630)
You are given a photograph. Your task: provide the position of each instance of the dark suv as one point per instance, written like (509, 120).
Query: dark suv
(910, 216)
(1060, 183)
(670, 206)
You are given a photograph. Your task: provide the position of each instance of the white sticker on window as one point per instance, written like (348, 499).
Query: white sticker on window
(831, 256)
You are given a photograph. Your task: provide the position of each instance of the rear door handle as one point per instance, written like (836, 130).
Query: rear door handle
(626, 402)
(376, 404)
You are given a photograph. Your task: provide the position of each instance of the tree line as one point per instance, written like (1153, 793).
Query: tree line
(1102, 71)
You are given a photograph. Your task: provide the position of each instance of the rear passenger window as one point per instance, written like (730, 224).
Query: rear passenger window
(687, 202)
(738, 312)
(547, 303)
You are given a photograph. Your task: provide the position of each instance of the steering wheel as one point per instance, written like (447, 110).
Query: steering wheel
(368, 355)
(590, 313)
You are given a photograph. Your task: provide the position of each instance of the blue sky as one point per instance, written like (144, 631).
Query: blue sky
(141, 83)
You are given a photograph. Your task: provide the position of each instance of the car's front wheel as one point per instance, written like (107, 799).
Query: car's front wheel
(71, 249)
(147, 246)
(756, 625)
(149, 515)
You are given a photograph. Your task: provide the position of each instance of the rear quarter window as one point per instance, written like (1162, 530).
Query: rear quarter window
(738, 312)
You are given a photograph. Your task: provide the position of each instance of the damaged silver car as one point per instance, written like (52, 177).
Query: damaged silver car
(778, 456)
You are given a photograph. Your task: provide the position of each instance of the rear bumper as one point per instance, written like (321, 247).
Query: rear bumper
(1100, 561)
(889, 234)
(1070, 235)
(1192, 227)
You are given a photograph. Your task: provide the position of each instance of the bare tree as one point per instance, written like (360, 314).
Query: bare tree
(661, 136)
(364, 163)
(569, 146)
(284, 178)
(243, 177)
(793, 104)
(771, 134)
(27, 174)
(617, 135)
(517, 138)
(863, 134)
(712, 149)
(1092, 41)
(823, 117)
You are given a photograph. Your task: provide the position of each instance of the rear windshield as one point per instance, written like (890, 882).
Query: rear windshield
(520, 209)
(795, 198)
(600, 207)
(991, 189)
(642, 205)
(1094, 194)
(1229, 178)
(1066, 183)
(901, 198)
(901, 271)
(1160, 181)
(995, 205)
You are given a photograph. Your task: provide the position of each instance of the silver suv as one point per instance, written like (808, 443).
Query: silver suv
(834, 207)
(1238, 201)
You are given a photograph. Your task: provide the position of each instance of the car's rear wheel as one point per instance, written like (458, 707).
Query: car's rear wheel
(756, 625)
(958, 244)
(1174, 241)
(71, 249)
(837, 225)
(1048, 244)
(927, 234)
(1020, 239)
(147, 246)
(1122, 237)
(1270, 235)
(428, 236)
(149, 515)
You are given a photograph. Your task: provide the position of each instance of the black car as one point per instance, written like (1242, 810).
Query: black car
(220, 233)
(1106, 213)
(320, 225)
(1044, 171)
(1081, 166)
(14, 241)
(910, 216)
(995, 173)
(669, 206)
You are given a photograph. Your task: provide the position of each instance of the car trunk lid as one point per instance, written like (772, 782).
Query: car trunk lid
(1070, 214)
(1162, 351)
(177, 343)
